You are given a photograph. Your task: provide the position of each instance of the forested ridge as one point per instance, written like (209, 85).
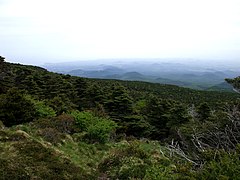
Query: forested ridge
(57, 126)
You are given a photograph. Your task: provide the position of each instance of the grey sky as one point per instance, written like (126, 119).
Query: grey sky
(38, 31)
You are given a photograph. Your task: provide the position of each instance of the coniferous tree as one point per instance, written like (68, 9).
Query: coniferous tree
(93, 96)
(204, 111)
(15, 108)
(80, 87)
(158, 112)
(2, 59)
(119, 103)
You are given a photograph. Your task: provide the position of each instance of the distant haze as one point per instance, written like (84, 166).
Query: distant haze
(191, 73)
(49, 31)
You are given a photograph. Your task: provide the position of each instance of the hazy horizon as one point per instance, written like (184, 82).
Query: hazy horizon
(38, 32)
(113, 61)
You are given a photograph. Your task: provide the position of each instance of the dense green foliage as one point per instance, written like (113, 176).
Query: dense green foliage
(95, 129)
(63, 127)
(15, 108)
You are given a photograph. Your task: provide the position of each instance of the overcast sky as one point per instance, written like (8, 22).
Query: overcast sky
(38, 31)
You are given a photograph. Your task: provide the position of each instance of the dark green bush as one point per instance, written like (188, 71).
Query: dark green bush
(220, 165)
(15, 108)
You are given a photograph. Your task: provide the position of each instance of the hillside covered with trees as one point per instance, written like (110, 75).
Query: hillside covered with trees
(57, 126)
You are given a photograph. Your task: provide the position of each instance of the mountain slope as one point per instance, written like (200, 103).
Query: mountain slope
(193, 74)
(224, 86)
(49, 85)
(56, 126)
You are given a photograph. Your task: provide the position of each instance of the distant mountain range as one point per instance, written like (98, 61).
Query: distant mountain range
(191, 75)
